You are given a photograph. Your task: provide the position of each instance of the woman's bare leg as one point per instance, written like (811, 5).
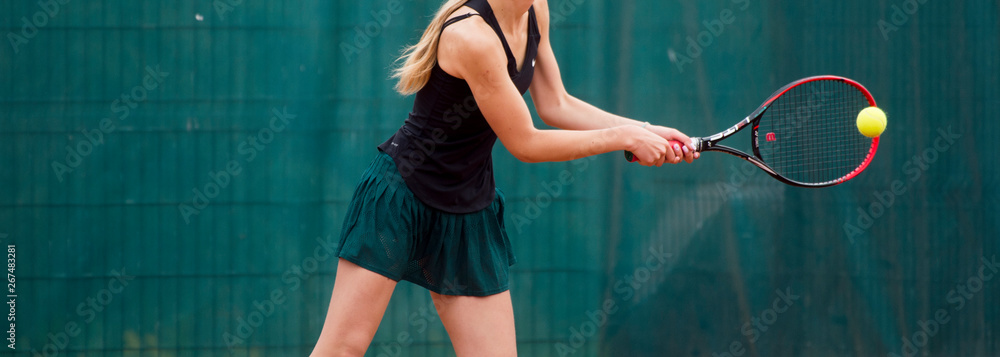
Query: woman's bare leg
(356, 308)
(478, 326)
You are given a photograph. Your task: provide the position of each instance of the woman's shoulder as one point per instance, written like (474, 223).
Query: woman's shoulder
(472, 35)
(463, 11)
(542, 14)
(469, 42)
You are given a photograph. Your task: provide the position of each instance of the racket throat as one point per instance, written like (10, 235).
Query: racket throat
(699, 144)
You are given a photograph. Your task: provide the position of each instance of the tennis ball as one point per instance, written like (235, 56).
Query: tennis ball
(871, 122)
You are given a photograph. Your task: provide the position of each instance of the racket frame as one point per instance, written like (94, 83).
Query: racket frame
(711, 143)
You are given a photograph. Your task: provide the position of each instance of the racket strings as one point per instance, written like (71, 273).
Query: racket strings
(815, 138)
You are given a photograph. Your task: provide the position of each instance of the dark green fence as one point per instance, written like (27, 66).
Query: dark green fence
(173, 175)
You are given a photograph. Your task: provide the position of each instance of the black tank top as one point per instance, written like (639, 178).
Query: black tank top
(444, 149)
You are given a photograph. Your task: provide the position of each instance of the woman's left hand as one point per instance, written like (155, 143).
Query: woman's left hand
(685, 151)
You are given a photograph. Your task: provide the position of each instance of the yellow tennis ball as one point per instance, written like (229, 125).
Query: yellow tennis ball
(871, 122)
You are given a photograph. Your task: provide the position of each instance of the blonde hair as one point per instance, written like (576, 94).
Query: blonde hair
(420, 58)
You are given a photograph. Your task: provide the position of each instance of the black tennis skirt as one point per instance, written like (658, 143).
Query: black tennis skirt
(391, 232)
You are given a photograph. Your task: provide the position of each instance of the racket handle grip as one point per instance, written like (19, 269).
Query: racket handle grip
(632, 158)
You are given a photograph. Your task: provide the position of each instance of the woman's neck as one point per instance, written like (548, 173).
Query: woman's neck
(509, 13)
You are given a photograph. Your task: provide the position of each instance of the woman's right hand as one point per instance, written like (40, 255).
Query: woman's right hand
(649, 148)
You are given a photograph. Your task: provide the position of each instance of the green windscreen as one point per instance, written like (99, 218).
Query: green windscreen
(174, 176)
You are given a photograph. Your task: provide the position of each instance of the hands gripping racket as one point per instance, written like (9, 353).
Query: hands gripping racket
(805, 134)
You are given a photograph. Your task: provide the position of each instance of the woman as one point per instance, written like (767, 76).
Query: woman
(427, 211)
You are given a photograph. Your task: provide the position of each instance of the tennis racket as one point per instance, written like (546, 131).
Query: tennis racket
(805, 134)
